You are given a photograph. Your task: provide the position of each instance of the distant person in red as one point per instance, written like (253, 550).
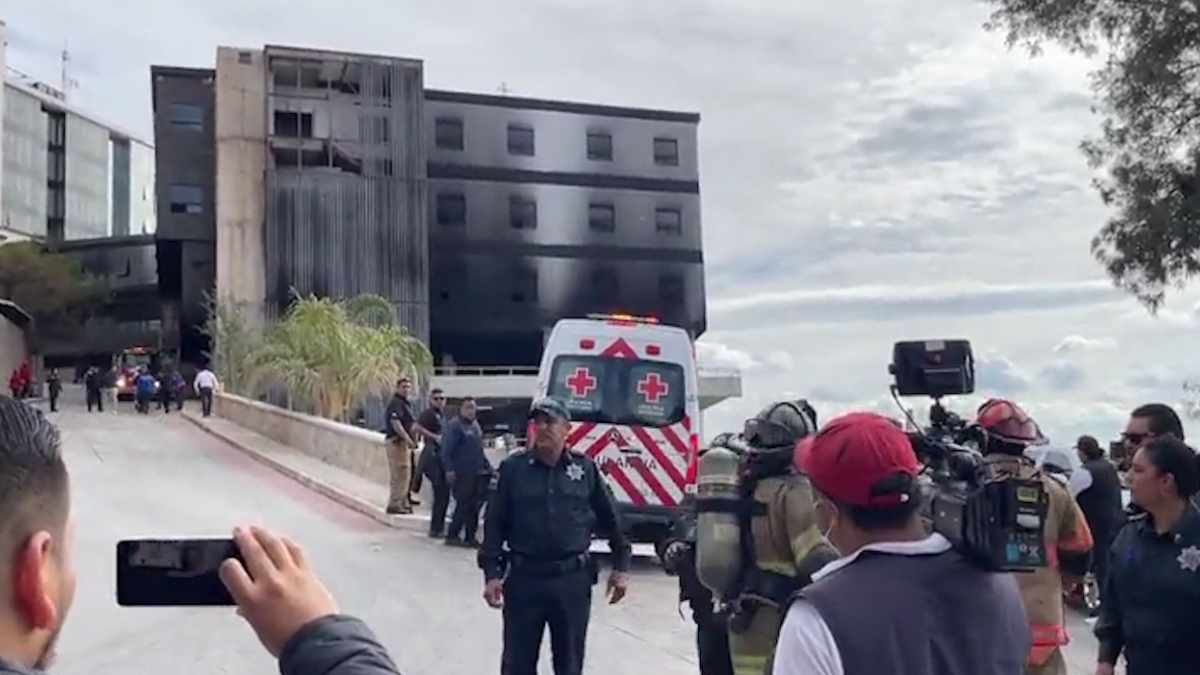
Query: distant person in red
(14, 383)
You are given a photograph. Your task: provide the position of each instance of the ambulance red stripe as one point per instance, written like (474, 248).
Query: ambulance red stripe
(619, 476)
(664, 497)
(577, 434)
(675, 441)
(659, 455)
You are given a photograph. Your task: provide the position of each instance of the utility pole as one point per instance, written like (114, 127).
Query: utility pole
(503, 88)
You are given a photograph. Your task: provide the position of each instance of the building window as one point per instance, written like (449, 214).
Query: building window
(525, 286)
(520, 140)
(670, 289)
(448, 133)
(606, 288)
(245, 58)
(374, 129)
(187, 116)
(186, 198)
(522, 213)
(293, 124)
(668, 221)
(452, 209)
(599, 147)
(666, 151)
(602, 218)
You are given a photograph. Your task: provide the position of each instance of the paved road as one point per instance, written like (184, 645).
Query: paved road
(136, 476)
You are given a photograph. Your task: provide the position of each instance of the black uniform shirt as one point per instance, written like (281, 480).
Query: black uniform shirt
(549, 512)
(399, 410)
(1152, 598)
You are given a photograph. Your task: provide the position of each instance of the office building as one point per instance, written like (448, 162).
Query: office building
(67, 175)
(483, 219)
(184, 124)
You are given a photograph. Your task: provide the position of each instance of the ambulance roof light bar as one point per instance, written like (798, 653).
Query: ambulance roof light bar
(623, 318)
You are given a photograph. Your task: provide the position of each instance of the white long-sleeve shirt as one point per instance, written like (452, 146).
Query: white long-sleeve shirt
(205, 380)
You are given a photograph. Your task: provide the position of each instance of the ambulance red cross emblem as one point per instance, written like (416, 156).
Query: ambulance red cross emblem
(581, 383)
(652, 388)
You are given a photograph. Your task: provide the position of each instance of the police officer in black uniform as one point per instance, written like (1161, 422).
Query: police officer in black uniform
(547, 505)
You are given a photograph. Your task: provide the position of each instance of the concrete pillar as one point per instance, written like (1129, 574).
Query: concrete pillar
(241, 139)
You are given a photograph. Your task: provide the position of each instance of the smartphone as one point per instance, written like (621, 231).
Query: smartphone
(173, 572)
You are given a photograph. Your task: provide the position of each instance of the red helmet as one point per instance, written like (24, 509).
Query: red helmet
(1008, 422)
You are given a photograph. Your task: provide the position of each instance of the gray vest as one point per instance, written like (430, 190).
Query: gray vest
(923, 615)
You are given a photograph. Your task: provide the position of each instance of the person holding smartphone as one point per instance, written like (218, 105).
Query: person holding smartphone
(287, 606)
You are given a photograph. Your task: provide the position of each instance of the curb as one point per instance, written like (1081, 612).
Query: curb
(411, 522)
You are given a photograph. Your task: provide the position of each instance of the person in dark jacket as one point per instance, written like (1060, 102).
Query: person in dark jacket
(276, 591)
(547, 506)
(1151, 602)
(429, 427)
(397, 430)
(467, 471)
(1097, 488)
(92, 384)
(54, 385)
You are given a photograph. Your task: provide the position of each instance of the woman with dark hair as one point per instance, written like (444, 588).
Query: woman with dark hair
(1151, 604)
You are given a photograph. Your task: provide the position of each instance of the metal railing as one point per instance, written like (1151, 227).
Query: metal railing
(482, 371)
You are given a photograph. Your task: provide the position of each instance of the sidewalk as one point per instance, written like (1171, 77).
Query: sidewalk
(346, 488)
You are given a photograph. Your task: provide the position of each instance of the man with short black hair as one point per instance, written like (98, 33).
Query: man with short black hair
(292, 613)
(429, 426)
(468, 473)
(857, 616)
(1096, 487)
(1151, 421)
(398, 432)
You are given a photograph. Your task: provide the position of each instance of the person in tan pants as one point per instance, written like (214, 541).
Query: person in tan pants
(399, 430)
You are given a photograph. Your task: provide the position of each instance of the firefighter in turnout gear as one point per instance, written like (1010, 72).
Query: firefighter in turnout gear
(1008, 431)
(757, 540)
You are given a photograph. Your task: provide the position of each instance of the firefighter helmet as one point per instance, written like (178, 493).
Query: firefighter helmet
(781, 424)
(1008, 422)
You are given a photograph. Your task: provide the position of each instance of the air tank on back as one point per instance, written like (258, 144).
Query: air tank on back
(718, 530)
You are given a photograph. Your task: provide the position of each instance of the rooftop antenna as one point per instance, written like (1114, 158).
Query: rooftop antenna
(68, 83)
(503, 88)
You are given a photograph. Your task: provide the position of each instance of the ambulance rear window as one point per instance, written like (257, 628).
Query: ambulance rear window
(610, 390)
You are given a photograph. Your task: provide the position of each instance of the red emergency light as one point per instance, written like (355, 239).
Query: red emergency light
(653, 350)
(624, 319)
(587, 343)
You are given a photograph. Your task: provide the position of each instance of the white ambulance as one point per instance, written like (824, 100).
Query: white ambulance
(632, 390)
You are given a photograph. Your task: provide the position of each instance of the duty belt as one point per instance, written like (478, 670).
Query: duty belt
(521, 564)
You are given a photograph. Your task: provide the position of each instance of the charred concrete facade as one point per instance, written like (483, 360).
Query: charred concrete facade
(483, 219)
(321, 183)
(184, 131)
(547, 209)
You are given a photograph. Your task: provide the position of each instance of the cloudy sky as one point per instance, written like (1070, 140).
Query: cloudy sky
(871, 170)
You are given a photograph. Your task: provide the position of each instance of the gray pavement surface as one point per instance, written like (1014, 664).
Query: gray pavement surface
(162, 476)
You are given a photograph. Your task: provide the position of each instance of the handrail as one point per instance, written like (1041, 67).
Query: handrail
(451, 371)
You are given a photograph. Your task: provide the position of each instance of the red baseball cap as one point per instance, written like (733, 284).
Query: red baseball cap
(853, 457)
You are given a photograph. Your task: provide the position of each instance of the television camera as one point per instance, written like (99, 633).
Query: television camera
(996, 521)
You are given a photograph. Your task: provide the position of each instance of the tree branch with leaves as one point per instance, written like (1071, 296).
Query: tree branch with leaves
(1148, 149)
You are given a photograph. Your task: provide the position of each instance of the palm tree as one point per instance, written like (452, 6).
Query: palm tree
(329, 360)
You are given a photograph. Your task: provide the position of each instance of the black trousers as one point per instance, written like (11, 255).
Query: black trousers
(712, 630)
(431, 467)
(563, 602)
(53, 402)
(94, 398)
(206, 401)
(469, 492)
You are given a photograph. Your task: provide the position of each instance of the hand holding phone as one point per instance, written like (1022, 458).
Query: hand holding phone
(275, 590)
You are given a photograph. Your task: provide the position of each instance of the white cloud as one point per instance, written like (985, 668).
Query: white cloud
(717, 355)
(1077, 343)
(995, 373)
(780, 360)
(1063, 375)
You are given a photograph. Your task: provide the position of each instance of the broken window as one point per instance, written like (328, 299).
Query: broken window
(290, 124)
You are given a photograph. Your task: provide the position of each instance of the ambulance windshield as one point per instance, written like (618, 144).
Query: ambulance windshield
(612, 390)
